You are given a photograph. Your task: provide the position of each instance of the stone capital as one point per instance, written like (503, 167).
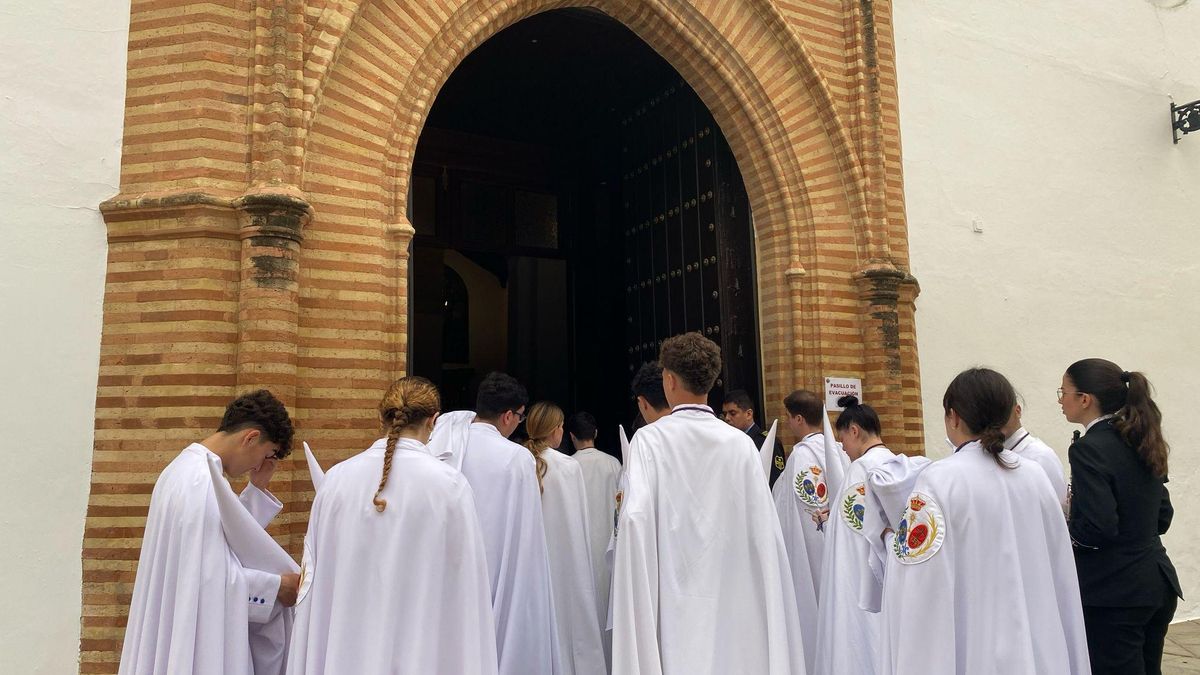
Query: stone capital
(274, 213)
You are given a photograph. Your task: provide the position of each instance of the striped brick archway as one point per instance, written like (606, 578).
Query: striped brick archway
(259, 238)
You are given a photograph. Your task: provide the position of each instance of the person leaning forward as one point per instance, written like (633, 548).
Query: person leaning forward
(195, 608)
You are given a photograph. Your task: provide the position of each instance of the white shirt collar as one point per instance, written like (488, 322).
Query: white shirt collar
(696, 407)
(1088, 427)
(815, 433)
(401, 444)
(1017, 436)
(487, 427)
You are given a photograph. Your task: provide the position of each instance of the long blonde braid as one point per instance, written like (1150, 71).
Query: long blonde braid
(409, 401)
(543, 418)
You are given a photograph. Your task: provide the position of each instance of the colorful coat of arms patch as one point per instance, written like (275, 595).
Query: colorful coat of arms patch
(921, 530)
(810, 487)
(853, 505)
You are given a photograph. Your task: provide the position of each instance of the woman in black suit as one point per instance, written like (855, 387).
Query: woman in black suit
(1119, 507)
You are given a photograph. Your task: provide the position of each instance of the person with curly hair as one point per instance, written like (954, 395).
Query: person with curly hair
(195, 608)
(393, 553)
(701, 581)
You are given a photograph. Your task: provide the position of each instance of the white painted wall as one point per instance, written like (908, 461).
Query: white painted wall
(62, 92)
(1047, 122)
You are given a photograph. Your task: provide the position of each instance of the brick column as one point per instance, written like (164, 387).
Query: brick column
(879, 295)
(271, 228)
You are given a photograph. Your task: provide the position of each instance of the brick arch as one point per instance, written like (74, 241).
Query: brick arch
(476, 20)
(768, 130)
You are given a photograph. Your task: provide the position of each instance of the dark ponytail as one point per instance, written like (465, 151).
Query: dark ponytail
(861, 414)
(1126, 396)
(983, 399)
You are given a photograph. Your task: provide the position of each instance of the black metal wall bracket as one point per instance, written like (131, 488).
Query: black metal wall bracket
(1184, 119)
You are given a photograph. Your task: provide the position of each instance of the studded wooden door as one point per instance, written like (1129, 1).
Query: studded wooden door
(689, 248)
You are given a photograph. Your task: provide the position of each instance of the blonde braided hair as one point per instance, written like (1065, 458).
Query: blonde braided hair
(408, 402)
(543, 419)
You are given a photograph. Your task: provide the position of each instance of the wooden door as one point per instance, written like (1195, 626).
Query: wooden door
(689, 250)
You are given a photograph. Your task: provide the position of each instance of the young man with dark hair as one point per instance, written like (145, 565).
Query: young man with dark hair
(738, 412)
(701, 582)
(648, 391)
(800, 494)
(508, 502)
(601, 473)
(195, 608)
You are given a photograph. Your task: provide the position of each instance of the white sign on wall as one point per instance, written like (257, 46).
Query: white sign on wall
(837, 387)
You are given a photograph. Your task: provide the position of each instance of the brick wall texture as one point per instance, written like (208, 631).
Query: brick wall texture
(260, 237)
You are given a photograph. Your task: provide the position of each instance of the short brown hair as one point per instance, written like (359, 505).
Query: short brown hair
(694, 358)
(805, 404)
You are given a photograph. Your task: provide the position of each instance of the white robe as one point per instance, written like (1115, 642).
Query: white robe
(982, 579)
(701, 583)
(601, 474)
(565, 515)
(195, 609)
(451, 431)
(509, 505)
(1032, 448)
(847, 636)
(800, 492)
(400, 591)
(610, 556)
(888, 486)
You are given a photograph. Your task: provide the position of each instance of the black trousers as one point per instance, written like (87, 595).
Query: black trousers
(1128, 640)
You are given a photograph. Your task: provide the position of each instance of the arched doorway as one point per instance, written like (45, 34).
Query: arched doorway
(567, 163)
(263, 233)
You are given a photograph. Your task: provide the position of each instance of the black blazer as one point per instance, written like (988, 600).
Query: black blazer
(1118, 510)
(759, 437)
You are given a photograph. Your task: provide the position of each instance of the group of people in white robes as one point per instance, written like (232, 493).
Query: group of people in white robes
(447, 548)
(958, 566)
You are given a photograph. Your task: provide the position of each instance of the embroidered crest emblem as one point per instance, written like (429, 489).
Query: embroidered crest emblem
(306, 573)
(617, 511)
(921, 531)
(810, 487)
(854, 505)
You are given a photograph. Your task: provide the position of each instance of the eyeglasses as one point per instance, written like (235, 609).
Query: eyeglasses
(1061, 392)
(520, 416)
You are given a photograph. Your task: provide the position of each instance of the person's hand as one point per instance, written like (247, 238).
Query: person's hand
(819, 517)
(261, 477)
(883, 535)
(289, 586)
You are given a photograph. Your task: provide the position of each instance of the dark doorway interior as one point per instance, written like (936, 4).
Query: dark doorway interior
(575, 204)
